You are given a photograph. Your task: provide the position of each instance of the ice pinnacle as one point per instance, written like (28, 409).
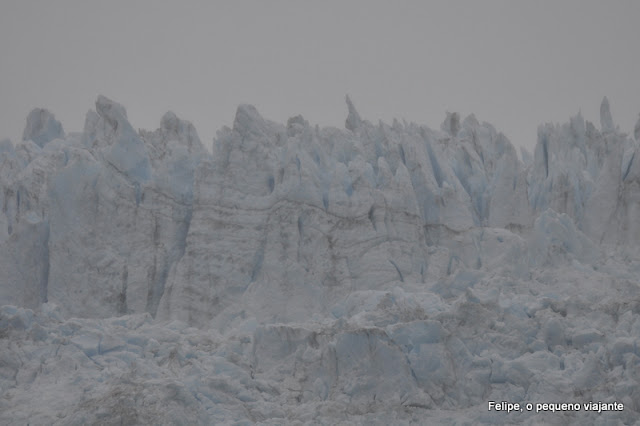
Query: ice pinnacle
(606, 121)
(42, 127)
(353, 119)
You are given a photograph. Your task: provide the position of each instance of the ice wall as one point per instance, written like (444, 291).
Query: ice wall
(115, 221)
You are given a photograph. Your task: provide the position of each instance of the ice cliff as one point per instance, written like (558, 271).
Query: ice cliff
(377, 273)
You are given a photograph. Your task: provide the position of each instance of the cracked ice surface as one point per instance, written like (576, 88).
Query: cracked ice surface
(372, 275)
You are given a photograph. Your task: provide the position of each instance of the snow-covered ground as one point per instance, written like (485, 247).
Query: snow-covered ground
(378, 274)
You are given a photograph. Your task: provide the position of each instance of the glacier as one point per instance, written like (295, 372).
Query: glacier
(292, 274)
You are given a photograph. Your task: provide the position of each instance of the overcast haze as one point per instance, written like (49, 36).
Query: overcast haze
(513, 64)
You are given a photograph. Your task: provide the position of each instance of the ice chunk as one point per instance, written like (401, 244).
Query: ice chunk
(555, 236)
(586, 337)
(16, 318)
(88, 343)
(42, 127)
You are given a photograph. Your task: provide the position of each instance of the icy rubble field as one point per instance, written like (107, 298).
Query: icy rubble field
(369, 275)
(393, 357)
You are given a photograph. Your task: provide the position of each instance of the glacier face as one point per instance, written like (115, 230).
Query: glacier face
(373, 274)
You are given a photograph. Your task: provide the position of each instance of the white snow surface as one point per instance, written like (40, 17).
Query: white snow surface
(377, 274)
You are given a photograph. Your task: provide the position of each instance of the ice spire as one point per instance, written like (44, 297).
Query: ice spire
(606, 122)
(353, 119)
(123, 148)
(451, 124)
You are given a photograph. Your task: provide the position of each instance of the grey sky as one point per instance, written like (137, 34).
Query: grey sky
(515, 64)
